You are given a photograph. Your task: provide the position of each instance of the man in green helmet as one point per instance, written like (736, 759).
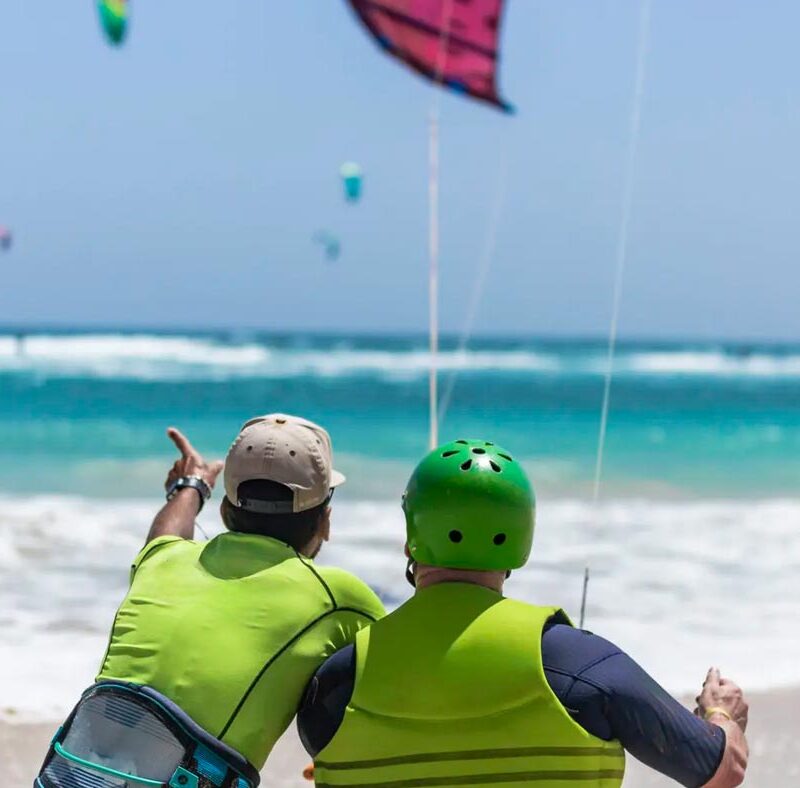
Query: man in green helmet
(462, 686)
(215, 642)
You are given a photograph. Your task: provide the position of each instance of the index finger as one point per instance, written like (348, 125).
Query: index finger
(181, 442)
(713, 677)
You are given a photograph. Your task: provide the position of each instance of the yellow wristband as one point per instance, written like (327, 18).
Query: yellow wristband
(712, 710)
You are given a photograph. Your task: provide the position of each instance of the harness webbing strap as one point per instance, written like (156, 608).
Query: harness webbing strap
(96, 767)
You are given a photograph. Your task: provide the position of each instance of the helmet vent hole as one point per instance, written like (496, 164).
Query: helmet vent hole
(499, 539)
(462, 442)
(479, 451)
(456, 536)
(465, 466)
(450, 453)
(506, 457)
(487, 443)
(495, 467)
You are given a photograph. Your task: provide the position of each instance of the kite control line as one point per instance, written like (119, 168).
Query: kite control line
(433, 278)
(621, 256)
(583, 597)
(201, 529)
(433, 233)
(420, 35)
(479, 284)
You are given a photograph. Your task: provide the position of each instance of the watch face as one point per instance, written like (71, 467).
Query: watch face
(198, 484)
(195, 482)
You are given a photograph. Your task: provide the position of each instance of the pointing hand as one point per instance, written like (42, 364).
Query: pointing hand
(191, 462)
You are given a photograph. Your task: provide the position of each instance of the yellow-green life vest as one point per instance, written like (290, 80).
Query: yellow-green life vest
(232, 630)
(450, 690)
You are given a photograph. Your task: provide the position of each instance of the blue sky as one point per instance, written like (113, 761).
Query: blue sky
(178, 181)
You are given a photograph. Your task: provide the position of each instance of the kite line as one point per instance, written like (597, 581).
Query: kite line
(433, 232)
(454, 44)
(621, 259)
(433, 276)
(479, 285)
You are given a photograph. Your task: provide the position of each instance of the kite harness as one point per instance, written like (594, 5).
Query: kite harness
(125, 736)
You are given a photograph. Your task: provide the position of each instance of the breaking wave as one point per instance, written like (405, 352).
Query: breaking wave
(175, 357)
(666, 578)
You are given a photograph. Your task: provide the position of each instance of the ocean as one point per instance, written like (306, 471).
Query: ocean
(693, 546)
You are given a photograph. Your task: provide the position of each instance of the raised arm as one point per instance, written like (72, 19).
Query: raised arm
(612, 697)
(721, 702)
(177, 516)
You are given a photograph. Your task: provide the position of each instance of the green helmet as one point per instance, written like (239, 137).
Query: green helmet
(469, 505)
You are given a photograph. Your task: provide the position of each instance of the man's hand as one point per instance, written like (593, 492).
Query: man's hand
(176, 517)
(191, 462)
(724, 696)
(721, 693)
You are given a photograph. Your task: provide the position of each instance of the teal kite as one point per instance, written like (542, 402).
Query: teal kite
(352, 180)
(114, 19)
(330, 243)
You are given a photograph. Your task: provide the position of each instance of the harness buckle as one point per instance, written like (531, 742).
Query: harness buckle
(183, 779)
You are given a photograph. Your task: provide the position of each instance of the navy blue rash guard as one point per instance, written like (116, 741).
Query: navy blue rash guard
(602, 688)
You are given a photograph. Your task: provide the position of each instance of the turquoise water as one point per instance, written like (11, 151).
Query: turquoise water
(76, 410)
(698, 513)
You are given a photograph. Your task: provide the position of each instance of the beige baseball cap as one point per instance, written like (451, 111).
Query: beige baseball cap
(285, 449)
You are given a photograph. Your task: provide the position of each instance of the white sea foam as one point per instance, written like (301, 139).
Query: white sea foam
(680, 584)
(161, 357)
(712, 363)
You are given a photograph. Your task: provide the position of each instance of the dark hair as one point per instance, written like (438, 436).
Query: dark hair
(294, 528)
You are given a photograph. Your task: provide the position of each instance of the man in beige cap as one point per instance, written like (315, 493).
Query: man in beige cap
(223, 634)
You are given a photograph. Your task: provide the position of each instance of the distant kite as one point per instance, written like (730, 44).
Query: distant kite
(330, 243)
(352, 180)
(452, 42)
(114, 19)
(5, 238)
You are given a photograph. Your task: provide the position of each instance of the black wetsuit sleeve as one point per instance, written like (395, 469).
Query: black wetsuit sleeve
(325, 700)
(609, 695)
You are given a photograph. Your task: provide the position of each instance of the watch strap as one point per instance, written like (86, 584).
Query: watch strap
(195, 482)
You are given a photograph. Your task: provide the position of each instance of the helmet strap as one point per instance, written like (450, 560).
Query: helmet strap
(410, 567)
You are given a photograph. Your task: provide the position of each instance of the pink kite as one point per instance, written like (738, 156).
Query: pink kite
(452, 42)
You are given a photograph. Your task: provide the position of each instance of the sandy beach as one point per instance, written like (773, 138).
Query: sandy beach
(773, 734)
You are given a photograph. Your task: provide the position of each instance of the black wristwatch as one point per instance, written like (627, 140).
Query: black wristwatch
(196, 483)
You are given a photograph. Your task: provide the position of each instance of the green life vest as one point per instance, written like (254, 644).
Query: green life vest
(232, 630)
(450, 690)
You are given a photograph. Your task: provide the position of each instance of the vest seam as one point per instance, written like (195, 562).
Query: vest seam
(278, 653)
(266, 666)
(545, 751)
(356, 610)
(527, 699)
(487, 779)
(317, 575)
